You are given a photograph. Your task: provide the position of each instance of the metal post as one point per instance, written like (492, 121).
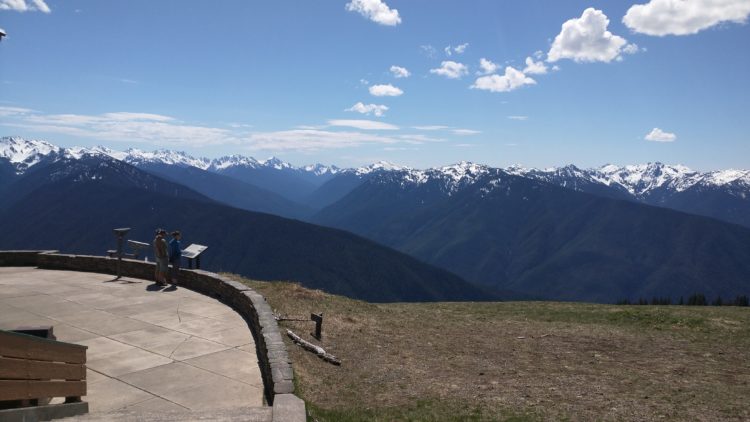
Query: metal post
(120, 233)
(119, 256)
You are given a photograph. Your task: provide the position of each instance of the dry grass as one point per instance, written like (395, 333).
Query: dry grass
(519, 360)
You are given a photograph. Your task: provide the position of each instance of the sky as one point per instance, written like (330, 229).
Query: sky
(421, 83)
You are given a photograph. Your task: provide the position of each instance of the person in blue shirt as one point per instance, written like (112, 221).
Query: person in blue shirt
(175, 254)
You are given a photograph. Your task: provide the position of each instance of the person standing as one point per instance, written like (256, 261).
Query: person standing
(160, 253)
(175, 254)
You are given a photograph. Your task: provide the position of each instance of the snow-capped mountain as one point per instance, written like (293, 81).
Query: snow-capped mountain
(449, 179)
(377, 167)
(26, 153)
(671, 186)
(723, 194)
(320, 169)
(640, 181)
(22, 153)
(137, 158)
(496, 228)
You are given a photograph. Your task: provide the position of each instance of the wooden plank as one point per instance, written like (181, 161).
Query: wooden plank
(22, 369)
(14, 345)
(20, 390)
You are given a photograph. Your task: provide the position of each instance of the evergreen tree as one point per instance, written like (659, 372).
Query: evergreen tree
(697, 299)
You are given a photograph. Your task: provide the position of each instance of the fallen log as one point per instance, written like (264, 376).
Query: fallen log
(313, 348)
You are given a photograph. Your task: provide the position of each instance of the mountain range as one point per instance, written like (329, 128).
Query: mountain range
(517, 234)
(73, 203)
(602, 234)
(298, 192)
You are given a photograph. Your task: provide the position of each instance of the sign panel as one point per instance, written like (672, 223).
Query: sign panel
(193, 250)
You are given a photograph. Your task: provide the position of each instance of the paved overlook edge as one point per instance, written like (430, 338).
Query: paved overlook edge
(275, 365)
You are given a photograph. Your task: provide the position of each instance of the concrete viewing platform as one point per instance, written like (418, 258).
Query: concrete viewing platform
(150, 349)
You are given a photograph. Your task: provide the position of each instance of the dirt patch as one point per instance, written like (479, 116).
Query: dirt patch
(519, 360)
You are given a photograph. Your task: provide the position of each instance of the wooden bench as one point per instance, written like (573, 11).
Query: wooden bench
(33, 369)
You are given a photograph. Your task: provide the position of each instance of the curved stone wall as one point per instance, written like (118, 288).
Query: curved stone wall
(276, 368)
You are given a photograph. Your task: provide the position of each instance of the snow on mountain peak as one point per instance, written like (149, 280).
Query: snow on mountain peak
(162, 156)
(320, 169)
(464, 171)
(379, 166)
(24, 153)
(640, 179)
(724, 177)
(275, 163)
(516, 169)
(234, 160)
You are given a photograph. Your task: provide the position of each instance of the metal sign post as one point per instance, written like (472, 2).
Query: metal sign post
(194, 251)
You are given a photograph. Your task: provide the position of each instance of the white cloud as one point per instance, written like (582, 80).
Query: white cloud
(165, 131)
(451, 70)
(521, 118)
(125, 116)
(538, 54)
(312, 140)
(363, 108)
(534, 68)
(428, 50)
(315, 139)
(674, 17)
(375, 10)
(658, 135)
(465, 132)
(432, 127)
(631, 48)
(400, 149)
(513, 79)
(487, 66)
(418, 139)
(400, 72)
(14, 111)
(586, 39)
(239, 125)
(24, 6)
(461, 48)
(387, 90)
(125, 127)
(363, 124)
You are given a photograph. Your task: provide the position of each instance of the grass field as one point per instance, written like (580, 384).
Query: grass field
(518, 361)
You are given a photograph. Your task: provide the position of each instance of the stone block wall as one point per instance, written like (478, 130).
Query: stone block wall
(276, 368)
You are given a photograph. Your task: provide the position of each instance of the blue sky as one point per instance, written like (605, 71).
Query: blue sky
(586, 83)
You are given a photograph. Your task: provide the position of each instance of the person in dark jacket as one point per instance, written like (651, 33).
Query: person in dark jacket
(175, 254)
